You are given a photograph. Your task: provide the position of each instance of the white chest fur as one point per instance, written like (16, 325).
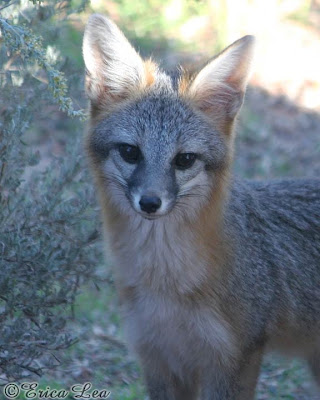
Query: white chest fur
(164, 267)
(184, 336)
(160, 254)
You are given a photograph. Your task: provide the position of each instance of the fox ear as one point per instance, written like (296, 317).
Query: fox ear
(218, 89)
(114, 70)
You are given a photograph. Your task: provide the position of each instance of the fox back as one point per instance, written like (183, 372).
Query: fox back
(211, 272)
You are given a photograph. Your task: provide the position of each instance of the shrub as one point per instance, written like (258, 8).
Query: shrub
(47, 216)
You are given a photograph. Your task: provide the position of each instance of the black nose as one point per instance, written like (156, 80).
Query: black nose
(150, 204)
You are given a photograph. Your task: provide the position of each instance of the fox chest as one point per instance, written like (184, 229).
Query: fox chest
(162, 321)
(182, 336)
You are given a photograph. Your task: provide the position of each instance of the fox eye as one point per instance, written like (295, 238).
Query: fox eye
(130, 154)
(185, 160)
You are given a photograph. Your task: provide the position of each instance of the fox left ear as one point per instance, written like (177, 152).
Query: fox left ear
(218, 89)
(114, 70)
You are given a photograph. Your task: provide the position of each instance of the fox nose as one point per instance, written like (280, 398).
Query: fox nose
(150, 204)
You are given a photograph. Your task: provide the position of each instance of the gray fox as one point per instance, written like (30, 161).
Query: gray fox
(211, 271)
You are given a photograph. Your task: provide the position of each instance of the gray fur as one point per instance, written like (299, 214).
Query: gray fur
(225, 270)
(276, 231)
(154, 124)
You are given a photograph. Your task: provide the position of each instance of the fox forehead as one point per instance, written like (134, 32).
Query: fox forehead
(160, 122)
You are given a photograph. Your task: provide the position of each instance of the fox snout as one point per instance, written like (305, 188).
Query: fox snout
(152, 189)
(150, 203)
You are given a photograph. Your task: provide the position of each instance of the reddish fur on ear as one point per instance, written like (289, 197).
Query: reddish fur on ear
(150, 69)
(184, 83)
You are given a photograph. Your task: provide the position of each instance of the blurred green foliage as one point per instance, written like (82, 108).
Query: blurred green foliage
(24, 49)
(156, 26)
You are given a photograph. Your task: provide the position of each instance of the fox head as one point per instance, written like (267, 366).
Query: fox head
(160, 144)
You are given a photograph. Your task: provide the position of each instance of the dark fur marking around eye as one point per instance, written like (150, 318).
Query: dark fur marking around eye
(97, 148)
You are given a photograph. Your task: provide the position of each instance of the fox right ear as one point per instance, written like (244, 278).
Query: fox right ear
(114, 70)
(218, 89)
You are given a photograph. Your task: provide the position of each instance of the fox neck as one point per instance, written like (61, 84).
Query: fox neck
(168, 254)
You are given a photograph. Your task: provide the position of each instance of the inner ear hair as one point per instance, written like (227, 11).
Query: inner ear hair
(115, 71)
(218, 88)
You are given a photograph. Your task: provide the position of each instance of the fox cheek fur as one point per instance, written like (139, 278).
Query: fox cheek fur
(226, 269)
(156, 143)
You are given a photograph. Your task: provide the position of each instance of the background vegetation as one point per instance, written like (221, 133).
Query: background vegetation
(55, 288)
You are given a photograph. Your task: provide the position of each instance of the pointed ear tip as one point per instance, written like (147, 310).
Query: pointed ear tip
(249, 38)
(98, 26)
(246, 46)
(98, 19)
(248, 41)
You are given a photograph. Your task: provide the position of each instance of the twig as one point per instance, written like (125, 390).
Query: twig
(8, 5)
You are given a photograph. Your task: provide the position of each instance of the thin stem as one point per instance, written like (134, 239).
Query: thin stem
(8, 5)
